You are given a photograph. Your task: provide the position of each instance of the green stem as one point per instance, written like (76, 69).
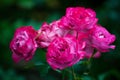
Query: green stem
(88, 63)
(74, 75)
(90, 58)
(63, 75)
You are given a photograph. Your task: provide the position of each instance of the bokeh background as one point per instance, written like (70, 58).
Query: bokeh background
(17, 13)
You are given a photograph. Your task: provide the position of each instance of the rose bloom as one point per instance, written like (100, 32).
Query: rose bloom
(23, 44)
(48, 32)
(101, 39)
(64, 52)
(79, 18)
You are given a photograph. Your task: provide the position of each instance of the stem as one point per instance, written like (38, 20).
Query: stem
(88, 63)
(74, 75)
(90, 58)
(63, 75)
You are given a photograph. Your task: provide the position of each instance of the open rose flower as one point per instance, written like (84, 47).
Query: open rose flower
(48, 32)
(23, 44)
(64, 52)
(79, 18)
(101, 39)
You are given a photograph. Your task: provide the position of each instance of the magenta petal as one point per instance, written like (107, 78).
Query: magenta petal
(97, 54)
(16, 58)
(112, 46)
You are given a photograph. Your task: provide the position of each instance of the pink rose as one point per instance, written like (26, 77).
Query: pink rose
(64, 52)
(49, 32)
(79, 18)
(23, 44)
(101, 39)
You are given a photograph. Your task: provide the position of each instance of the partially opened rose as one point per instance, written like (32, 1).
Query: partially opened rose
(85, 39)
(64, 52)
(23, 44)
(101, 39)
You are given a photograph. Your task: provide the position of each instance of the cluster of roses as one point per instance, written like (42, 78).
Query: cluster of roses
(75, 36)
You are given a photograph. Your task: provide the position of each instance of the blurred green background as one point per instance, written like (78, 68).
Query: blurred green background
(16, 13)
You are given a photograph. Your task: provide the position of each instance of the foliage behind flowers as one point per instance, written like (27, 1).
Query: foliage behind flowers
(75, 37)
